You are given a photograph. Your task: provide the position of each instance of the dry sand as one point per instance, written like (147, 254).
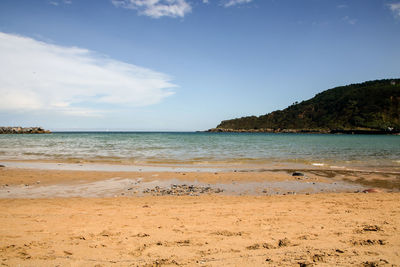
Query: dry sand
(327, 229)
(331, 229)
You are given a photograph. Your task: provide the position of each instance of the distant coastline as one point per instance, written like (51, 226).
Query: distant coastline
(306, 131)
(23, 130)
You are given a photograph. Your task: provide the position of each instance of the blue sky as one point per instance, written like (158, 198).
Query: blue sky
(183, 64)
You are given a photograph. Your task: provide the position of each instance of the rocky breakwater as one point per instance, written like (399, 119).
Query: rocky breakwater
(23, 130)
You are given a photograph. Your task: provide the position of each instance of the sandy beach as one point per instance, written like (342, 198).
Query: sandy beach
(102, 218)
(199, 133)
(322, 229)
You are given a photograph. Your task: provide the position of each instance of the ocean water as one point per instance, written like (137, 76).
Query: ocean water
(205, 148)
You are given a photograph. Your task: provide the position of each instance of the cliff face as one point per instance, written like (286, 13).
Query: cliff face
(21, 130)
(372, 106)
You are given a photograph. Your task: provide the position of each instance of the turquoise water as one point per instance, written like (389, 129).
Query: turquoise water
(205, 148)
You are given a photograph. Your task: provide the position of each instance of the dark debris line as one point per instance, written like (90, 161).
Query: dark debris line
(182, 190)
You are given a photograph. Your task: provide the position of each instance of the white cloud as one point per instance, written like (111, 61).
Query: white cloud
(395, 7)
(156, 8)
(230, 3)
(37, 76)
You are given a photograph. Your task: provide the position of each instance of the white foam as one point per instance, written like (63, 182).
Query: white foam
(318, 164)
(106, 167)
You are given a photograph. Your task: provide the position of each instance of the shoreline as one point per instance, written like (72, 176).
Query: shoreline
(306, 131)
(167, 166)
(44, 179)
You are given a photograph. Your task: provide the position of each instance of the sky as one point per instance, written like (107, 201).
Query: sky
(183, 65)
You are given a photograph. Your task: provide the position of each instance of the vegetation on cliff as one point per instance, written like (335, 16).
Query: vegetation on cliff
(368, 106)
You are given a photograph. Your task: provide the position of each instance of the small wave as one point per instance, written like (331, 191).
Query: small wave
(337, 167)
(318, 164)
(34, 153)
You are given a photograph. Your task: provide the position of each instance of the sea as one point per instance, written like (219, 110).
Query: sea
(203, 148)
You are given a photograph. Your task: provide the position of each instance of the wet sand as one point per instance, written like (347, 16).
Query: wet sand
(34, 183)
(46, 183)
(281, 221)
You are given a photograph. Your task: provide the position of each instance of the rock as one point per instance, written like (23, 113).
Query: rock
(317, 258)
(284, 242)
(253, 247)
(141, 235)
(297, 174)
(2, 166)
(267, 246)
(371, 228)
(381, 262)
(372, 190)
(369, 242)
(370, 264)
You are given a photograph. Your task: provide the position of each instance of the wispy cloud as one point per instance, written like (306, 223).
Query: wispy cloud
(230, 3)
(342, 6)
(38, 76)
(395, 7)
(156, 8)
(56, 2)
(349, 20)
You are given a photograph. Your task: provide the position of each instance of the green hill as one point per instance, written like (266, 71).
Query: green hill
(372, 106)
